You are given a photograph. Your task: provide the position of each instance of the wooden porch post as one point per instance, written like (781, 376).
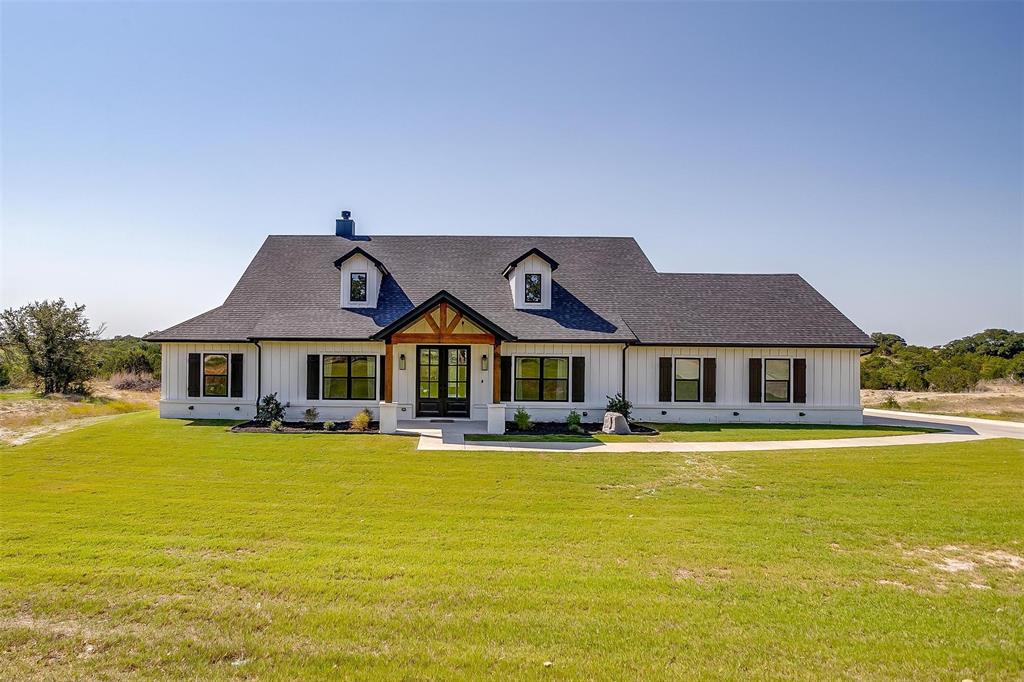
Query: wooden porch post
(389, 371)
(496, 372)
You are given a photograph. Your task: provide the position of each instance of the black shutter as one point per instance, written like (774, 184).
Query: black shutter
(381, 373)
(195, 374)
(755, 380)
(665, 380)
(799, 380)
(709, 380)
(312, 377)
(579, 376)
(506, 379)
(236, 375)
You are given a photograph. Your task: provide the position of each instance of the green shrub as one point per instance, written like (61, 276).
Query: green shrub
(276, 425)
(1016, 369)
(951, 379)
(311, 415)
(618, 403)
(270, 409)
(890, 403)
(522, 420)
(128, 354)
(5, 375)
(573, 421)
(995, 367)
(329, 426)
(361, 422)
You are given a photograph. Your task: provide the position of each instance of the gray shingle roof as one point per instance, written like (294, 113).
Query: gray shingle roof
(605, 289)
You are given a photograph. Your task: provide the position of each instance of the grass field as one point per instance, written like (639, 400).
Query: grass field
(709, 433)
(141, 547)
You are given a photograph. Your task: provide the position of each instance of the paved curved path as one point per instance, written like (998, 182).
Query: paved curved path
(434, 436)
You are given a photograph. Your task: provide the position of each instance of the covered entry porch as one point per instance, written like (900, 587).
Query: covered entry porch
(443, 361)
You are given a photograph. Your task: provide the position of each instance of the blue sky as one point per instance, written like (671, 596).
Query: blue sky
(877, 149)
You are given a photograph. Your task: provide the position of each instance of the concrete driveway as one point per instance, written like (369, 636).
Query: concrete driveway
(988, 428)
(450, 436)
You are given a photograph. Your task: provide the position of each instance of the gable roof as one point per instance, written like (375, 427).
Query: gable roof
(606, 290)
(425, 307)
(741, 310)
(532, 252)
(359, 252)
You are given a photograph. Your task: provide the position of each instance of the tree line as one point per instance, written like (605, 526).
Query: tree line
(953, 367)
(51, 345)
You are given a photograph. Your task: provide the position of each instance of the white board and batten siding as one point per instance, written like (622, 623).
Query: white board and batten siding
(359, 263)
(833, 386)
(603, 378)
(174, 399)
(284, 371)
(533, 265)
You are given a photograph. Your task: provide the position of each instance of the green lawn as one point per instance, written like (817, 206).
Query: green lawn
(707, 433)
(141, 547)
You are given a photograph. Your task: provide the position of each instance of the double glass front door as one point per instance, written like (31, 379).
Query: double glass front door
(442, 381)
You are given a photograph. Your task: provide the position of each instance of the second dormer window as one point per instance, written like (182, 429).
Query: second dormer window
(533, 288)
(357, 287)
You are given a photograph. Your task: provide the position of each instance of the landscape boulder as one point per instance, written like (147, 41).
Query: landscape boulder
(615, 423)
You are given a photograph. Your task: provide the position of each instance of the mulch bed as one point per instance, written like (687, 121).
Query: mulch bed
(559, 428)
(303, 427)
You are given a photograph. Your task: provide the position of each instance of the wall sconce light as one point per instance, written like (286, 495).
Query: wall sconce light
(483, 362)
(401, 361)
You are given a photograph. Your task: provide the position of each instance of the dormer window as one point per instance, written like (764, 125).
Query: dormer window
(534, 287)
(362, 276)
(357, 287)
(529, 278)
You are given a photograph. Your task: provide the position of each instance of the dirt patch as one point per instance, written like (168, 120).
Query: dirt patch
(693, 472)
(25, 415)
(938, 568)
(1000, 399)
(701, 576)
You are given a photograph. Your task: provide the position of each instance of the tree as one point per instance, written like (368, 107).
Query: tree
(888, 344)
(128, 354)
(55, 341)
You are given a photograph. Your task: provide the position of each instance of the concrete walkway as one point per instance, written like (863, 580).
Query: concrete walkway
(450, 436)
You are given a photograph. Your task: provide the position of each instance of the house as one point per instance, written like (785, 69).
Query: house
(476, 327)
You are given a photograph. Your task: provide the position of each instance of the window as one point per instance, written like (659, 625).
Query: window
(687, 380)
(357, 287)
(350, 377)
(533, 288)
(542, 379)
(776, 381)
(215, 375)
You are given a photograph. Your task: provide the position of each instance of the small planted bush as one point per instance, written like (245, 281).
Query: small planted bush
(618, 403)
(361, 421)
(522, 420)
(890, 403)
(276, 425)
(270, 409)
(573, 421)
(329, 426)
(311, 415)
